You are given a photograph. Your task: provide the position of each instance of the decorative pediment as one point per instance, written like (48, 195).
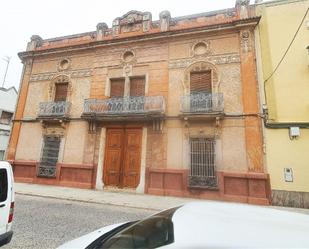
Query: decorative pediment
(131, 22)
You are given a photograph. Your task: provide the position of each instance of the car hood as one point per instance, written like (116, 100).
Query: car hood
(86, 240)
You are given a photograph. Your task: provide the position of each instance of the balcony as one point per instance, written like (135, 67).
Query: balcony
(202, 105)
(54, 110)
(125, 108)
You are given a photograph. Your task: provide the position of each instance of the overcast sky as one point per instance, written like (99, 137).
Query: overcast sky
(20, 19)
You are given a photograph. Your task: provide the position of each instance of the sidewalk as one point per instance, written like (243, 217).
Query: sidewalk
(101, 197)
(109, 197)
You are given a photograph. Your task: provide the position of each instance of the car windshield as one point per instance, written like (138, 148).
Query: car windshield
(153, 232)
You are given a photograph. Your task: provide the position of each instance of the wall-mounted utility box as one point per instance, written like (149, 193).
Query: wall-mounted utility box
(288, 174)
(294, 132)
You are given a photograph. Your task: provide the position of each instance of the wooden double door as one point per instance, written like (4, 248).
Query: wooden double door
(122, 157)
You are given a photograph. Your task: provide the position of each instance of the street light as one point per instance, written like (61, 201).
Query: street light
(7, 60)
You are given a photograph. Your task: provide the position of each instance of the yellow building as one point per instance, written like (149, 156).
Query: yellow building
(283, 72)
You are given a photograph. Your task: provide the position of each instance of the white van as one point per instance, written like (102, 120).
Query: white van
(6, 202)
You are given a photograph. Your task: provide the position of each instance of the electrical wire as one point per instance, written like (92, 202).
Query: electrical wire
(287, 50)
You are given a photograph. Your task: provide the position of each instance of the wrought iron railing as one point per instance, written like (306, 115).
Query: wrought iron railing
(125, 105)
(202, 103)
(51, 109)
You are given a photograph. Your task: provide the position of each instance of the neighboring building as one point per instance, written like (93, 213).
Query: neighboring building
(165, 107)
(287, 105)
(7, 107)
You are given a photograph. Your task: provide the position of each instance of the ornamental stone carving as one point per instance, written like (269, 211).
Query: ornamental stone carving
(64, 64)
(131, 22)
(35, 41)
(201, 66)
(50, 76)
(221, 59)
(242, 7)
(200, 48)
(245, 41)
(101, 29)
(59, 79)
(165, 17)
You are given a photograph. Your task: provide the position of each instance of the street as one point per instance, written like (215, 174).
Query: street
(47, 222)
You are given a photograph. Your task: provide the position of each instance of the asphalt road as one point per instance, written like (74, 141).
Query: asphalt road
(47, 223)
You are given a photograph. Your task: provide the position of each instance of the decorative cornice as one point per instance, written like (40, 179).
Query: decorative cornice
(216, 59)
(248, 22)
(50, 76)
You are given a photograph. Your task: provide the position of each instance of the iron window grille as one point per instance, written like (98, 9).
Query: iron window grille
(202, 163)
(49, 158)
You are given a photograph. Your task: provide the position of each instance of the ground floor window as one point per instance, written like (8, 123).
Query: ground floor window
(49, 157)
(202, 163)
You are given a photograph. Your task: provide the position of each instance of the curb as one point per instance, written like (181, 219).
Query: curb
(87, 201)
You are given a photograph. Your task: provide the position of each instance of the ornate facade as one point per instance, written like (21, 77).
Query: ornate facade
(165, 107)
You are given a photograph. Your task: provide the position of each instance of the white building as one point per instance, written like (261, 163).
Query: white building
(8, 99)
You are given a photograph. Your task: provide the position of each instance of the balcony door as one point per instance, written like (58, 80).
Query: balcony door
(117, 93)
(61, 92)
(200, 91)
(123, 157)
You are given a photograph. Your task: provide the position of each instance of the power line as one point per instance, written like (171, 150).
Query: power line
(287, 50)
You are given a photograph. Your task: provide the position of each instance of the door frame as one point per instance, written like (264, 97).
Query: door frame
(124, 149)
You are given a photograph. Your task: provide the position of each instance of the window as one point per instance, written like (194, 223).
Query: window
(200, 88)
(3, 185)
(200, 82)
(61, 92)
(117, 88)
(1, 155)
(137, 86)
(49, 158)
(153, 232)
(6, 117)
(202, 165)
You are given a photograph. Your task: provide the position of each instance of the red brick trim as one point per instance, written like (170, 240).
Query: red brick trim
(69, 175)
(243, 187)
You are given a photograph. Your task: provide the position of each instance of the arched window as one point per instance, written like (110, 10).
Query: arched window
(60, 88)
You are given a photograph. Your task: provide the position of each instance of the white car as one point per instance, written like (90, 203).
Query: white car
(6, 202)
(205, 225)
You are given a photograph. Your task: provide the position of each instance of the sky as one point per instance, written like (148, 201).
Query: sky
(20, 19)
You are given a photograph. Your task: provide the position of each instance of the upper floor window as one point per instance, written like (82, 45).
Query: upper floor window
(200, 82)
(6, 117)
(137, 86)
(61, 92)
(117, 88)
(133, 86)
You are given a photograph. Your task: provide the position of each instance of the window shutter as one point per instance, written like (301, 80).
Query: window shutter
(200, 82)
(117, 88)
(49, 157)
(61, 92)
(137, 86)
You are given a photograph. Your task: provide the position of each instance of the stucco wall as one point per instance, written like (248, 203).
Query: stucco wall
(30, 142)
(287, 91)
(285, 153)
(74, 142)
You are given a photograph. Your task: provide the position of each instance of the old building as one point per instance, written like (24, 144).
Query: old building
(8, 98)
(166, 107)
(286, 97)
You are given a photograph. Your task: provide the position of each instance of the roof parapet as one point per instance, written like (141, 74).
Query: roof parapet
(101, 28)
(242, 8)
(35, 41)
(165, 17)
